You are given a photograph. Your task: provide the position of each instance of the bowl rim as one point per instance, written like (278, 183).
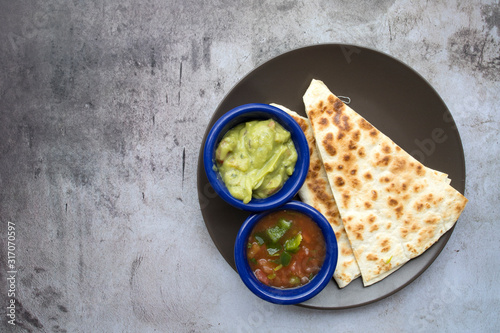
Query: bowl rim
(259, 111)
(291, 295)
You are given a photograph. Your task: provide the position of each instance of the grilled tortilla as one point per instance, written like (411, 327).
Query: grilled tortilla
(317, 193)
(393, 207)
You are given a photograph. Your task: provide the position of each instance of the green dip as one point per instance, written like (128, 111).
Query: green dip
(255, 159)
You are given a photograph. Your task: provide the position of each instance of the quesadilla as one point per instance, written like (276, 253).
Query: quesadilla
(393, 207)
(317, 193)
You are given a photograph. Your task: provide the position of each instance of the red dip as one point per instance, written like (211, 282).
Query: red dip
(286, 249)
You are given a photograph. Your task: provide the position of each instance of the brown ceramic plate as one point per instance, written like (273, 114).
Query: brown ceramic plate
(389, 94)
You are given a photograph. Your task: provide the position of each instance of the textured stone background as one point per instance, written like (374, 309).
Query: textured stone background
(102, 111)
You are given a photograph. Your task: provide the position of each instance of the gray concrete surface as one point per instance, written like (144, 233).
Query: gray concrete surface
(103, 106)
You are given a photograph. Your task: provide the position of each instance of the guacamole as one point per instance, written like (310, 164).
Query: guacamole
(255, 159)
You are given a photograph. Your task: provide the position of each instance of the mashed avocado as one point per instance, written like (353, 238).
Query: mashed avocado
(255, 159)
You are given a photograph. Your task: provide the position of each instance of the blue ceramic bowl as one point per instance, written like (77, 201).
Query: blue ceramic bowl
(246, 113)
(291, 295)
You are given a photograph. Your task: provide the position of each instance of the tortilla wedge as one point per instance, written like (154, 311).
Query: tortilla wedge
(393, 208)
(317, 193)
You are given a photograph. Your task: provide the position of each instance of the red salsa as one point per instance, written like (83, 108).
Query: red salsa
(286, 249)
